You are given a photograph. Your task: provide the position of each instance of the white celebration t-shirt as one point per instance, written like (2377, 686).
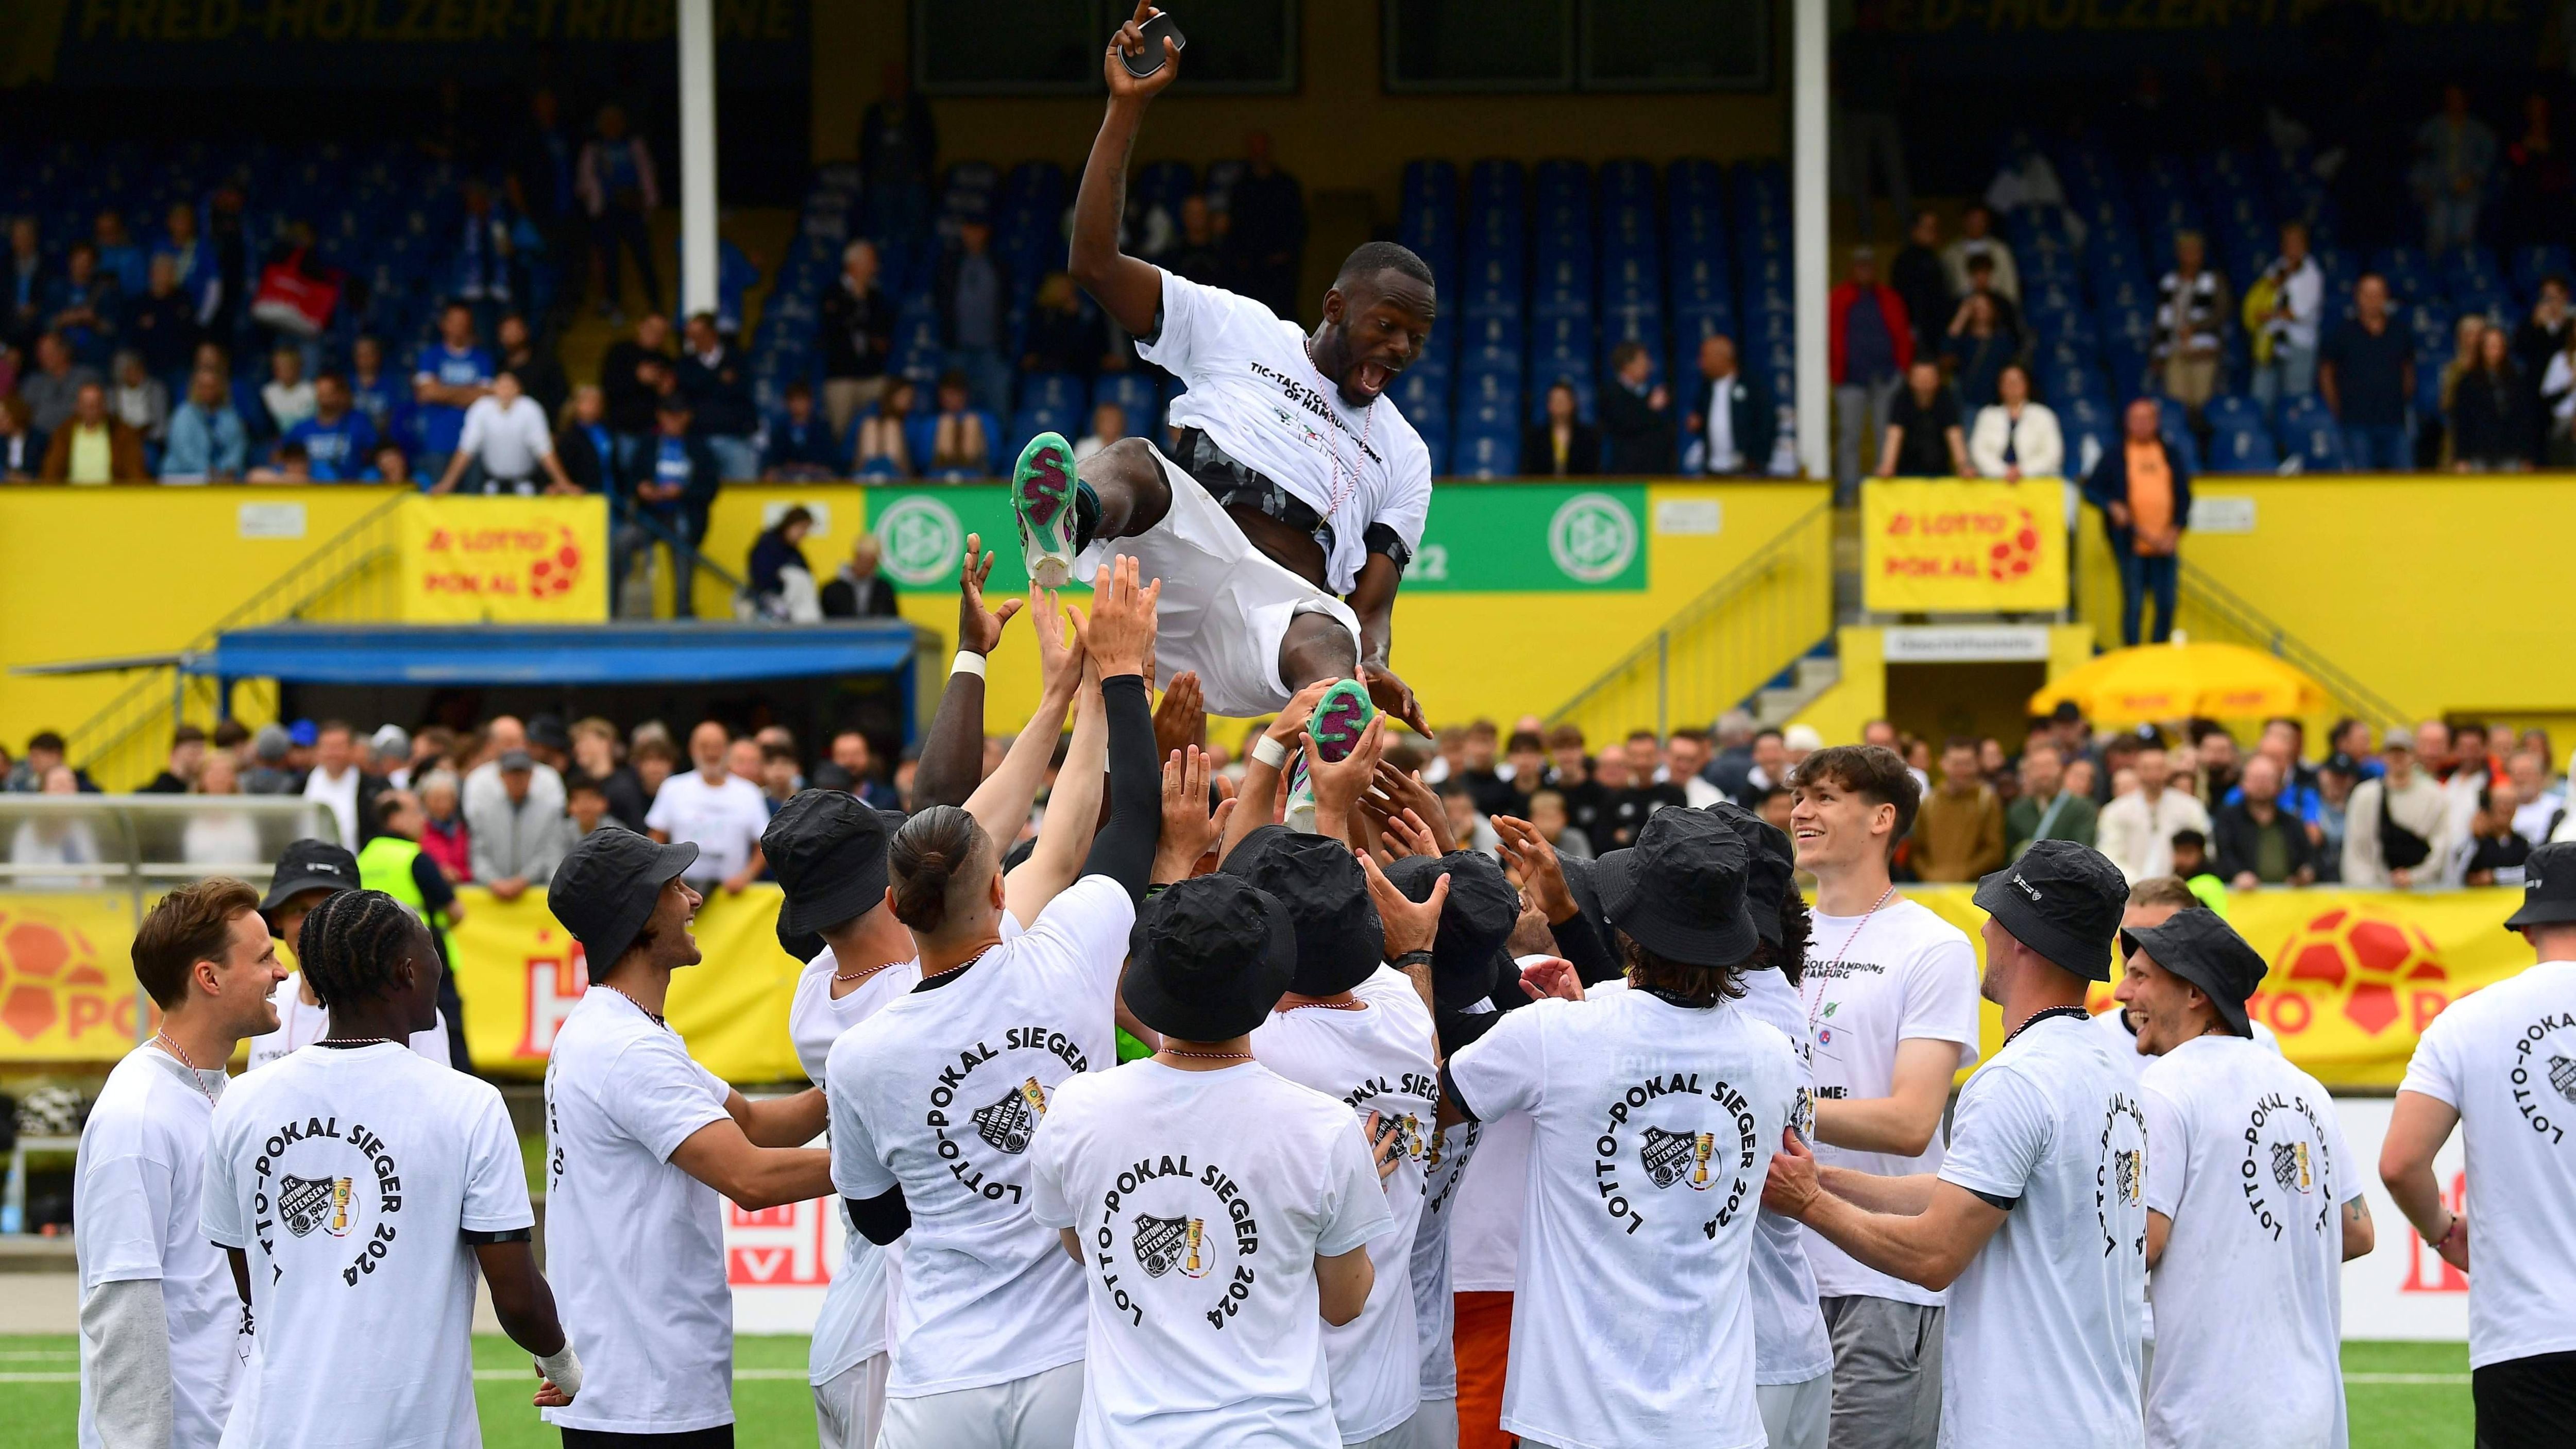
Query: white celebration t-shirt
(851, 1324)
(1906, 974)
(1654, 1124)
(136, 1193)
(1202, 1200)
(1253, 390)
(941, 1093)
(2249, 1163)
(1383, 1059)
(635, 1245)
(2041, 1339)
(1435, 1312)
(724, 821)
(1790, 1345)
(2505, 1060)
(349, 1176)
(300, 1026)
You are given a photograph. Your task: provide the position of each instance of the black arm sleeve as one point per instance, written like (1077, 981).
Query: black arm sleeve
(1580, 942)
(880, 1219)
(952, 758)
(1123, 849)
(1449, 1090)
(1459, 1030)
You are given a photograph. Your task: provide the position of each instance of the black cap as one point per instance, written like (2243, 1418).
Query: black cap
(1679, 891)
(2548, 887)
(2200, 947)
(517, 761)
(1209, 958)
(2342, 764)
(1340, 939)
(1773, 871)
(828, 850)
(2062, 900)
(310, 865)
(546, 732)
(1467, 960)
(2067, 712)
(604, 891)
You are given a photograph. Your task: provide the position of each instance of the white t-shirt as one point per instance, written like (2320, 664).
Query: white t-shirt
(1202, 1200)
(1385, 1059)
(1255, 392)
(300, 1026)
(2505, 1060)
(1907, 974)
(851, 1324)
(350, 1176)
(725, 822)
(634, 1245)
(941, 1093)
(135, 1199)
(1790, 1345)
(1654, 1123)
(1485, 1223)
(509, 441)
(2251, 1167)
(340, 797)
(1435, 1316)
(2041, 1339)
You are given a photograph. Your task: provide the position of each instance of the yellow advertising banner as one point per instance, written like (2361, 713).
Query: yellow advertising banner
(504, 560)
(66, 977)
(2356, 975)
(1955, 546)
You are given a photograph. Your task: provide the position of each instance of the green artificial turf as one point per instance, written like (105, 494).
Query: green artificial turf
(2401, 1395)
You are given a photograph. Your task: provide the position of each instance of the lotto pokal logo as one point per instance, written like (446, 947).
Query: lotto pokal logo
(922, 540)
(2017, 553)
(1593, 538)
(554, 574)
(50, 980)
(2377, 969)
(541, 561)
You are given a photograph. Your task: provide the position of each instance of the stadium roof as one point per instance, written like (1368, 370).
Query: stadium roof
(639, 653)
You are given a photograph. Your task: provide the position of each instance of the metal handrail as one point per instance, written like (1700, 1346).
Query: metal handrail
(2266, 633)
(627, 512)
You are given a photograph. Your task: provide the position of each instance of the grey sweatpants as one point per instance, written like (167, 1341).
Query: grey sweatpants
(1887, 1373)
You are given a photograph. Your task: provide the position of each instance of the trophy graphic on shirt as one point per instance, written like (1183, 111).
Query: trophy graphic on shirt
(1701, 1150)
(1191, 1267)
(1034, 1095)
(339, 1207)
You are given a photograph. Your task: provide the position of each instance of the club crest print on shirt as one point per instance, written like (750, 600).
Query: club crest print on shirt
(1032, 1060)
(334, 1188)
(2287, 1166)
(1679, 1130)
(1176, 1223)
(2544, 1074)
(2120, 1179)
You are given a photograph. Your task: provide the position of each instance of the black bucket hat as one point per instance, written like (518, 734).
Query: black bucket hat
(2548, 888)
(1773, 872)
(1340, 939)
(1468, 962)
(2201, 948)
(309, 865)
(1679, 891)
(828, 850)
(2062, 900)
(604, 891)
(1209, 958)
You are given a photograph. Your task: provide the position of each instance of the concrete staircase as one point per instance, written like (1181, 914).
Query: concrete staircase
(1810, 676)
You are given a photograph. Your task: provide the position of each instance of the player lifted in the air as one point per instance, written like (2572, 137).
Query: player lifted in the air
(1283, 523)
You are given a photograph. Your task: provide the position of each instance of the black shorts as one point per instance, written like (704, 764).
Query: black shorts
(719, 1437)
(1234, 485)
(2526, 1403)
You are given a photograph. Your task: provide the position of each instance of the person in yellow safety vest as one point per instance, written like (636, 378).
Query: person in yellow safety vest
(394, 863)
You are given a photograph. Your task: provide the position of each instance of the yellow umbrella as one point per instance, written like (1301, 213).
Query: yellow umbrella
(2184, 679)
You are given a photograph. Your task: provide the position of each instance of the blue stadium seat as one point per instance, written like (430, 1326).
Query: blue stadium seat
(2309, 435)
(2242, 449)
(1491, 454)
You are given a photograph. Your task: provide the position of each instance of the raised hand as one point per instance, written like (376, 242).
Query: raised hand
(1130, 40)
(979, 628)
(1411, 925)
(1394, 696)
(1555, 976)
(1060, 652)
(1534, 862)
(1291, 722)
(1120, 632)
(1402, 791)
(1190, 829)
(1180, 721)
(1338, 785)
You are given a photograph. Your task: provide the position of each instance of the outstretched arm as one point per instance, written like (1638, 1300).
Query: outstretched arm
(1001, 804)
(1073, 813)
(1373, 600)
(952, 758)
(1129, 290)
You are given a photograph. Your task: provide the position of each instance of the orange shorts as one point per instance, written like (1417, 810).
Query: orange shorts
(1482, 1340)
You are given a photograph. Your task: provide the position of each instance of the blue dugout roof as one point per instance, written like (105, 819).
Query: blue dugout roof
(592, 654)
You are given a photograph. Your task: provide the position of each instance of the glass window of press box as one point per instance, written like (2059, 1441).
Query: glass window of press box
(1577, 45)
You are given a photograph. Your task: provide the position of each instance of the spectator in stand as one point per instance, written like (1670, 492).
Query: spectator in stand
(22, 448)
(2493, 852)
(584, 445)
(84, 306)
(1872, 346)
(1063, 335)
(2191, 319)
(505, 447)
(541, 377)
(1108, 425)
(802, 446)
(380, 395)
(138, 399)
(2397, 828)
(880, 445)
(271, 771)
(28, 278)
(2136, 830)
(2558, 399)
(94, 445)
(1689, 754)
(1959, 829)
(858, 590)
(1977, 351)
(338, 439)
(2490, 422)
(334, 781)
(287, 394)
(2367, 373)
(585, 807)
(1636, 415)
(595, 751)
(2538, 809)
(2282, 310)
(632, 374)
(973, 293)
(2017, 437)
(392, 465)
(2455, 156)
(898, 147)
(1561, 445)
(161, 322)
(716, 810)
(55, 385)
(2144, 492)
(2539, 202)
(2256, 841)
(962, 436)
(1923, 279)
(444, 836)
(2045, 809)
(1198, 255)
(620, 191)
(118, 256)
(1732, 424)
(1266, 228)
(1767, 770)
(1493, 795)
(2007, 313)
(674, 491)
(518, 836)
(858, 337)
(453, 374)
(718, 385)
(778, 581)
(2464, 360)
(1923, 438)
(187, 756)
(857, 759)
(2543, 335)
(1977, 239)
(45, 754)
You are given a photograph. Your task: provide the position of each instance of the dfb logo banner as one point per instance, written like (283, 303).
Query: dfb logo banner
(1963, 546)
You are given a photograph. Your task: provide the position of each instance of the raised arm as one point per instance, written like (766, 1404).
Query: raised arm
(1001, 804)
(952, 758)
(1903, 1121)
(1073, 813)
(1129, 290)
(1256, 796)
(1120, 635)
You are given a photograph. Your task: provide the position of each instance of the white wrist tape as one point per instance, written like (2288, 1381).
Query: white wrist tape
(1269, 752)
(967, 662)
(562, 1369)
